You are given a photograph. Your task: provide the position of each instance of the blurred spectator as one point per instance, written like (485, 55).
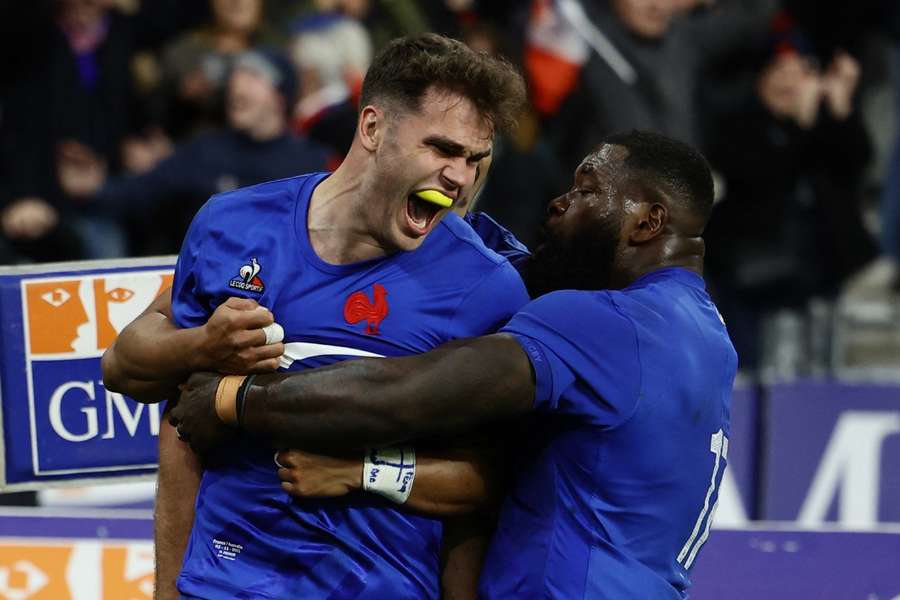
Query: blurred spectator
(195, 66)
(255, 147)
(450, 17)
(331, 53)
(793, 156)
(525, 172)
(74, 102)
(890, 198)
(634, 64)
(384, 20)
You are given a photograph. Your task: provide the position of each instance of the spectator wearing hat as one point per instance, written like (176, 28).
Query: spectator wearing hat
(255, 146)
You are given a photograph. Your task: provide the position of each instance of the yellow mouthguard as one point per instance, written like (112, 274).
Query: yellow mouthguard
(435, 197)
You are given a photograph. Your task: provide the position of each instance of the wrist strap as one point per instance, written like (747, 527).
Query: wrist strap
(390, 472)
(241, 397)
(226, 397)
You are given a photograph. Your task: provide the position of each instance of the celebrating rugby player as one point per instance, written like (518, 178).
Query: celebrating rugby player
(622, 369)
(368, 261)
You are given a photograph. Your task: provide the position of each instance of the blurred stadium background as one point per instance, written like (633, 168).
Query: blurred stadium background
(118, 119)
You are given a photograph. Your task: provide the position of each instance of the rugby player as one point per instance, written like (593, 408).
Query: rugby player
(332, 256)
(626, 372)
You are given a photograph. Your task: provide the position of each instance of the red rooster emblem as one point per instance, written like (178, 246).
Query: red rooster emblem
(358, 308)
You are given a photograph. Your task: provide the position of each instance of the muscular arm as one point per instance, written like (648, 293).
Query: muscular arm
(462, 554)
(450, 480)
(178, 482)
(463, 485)
(147, 361)
(152, 355)
(454, 388)
(456, 481)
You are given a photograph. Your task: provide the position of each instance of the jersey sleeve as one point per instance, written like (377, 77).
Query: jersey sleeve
(492, 301)
(584, 353)
(190, 304)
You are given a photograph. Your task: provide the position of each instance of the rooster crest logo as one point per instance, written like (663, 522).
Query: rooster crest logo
(248, 278)
(359, 308)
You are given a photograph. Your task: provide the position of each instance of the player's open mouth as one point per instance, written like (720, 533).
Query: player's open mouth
(421, 212)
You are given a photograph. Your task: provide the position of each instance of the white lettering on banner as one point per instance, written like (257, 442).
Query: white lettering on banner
(29, 580)
(731, 512)
(115, 404)
(90, 412)
(851, 467)
(130, 419)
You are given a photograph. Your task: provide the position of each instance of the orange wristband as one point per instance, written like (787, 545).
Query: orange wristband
(226, 397)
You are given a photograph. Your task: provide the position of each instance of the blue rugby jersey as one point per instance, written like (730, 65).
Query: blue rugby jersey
(499, 239)
(250, 538)
(616, 487)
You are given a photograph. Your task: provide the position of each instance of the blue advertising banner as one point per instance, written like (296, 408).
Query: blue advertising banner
(783, 563)
(58, 421)
(832, 454)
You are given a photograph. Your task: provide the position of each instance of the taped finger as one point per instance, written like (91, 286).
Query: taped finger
(274, 333)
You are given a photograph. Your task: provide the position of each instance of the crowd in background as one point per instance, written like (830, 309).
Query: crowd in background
(119, 118)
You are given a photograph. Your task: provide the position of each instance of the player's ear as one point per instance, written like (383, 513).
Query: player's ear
(371, 127)
(651, 219)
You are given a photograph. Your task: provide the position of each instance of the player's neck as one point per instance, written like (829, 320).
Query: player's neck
(337, 231)
(683, 252)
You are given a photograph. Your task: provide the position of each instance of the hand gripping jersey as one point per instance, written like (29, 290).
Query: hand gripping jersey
(616, 487)
(250, 538)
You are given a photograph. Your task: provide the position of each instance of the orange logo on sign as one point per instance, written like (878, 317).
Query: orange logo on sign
(34, 572)
(84, 316)
(128, 573)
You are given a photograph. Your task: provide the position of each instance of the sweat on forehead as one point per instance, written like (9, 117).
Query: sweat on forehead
(606, 161)
(606, 153)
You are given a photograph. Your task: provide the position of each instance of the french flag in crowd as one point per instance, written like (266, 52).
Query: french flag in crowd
(560, 38)
(554, 55)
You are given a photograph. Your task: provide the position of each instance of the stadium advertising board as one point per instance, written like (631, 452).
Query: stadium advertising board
(777, 563)
(58, 421)
(76, 570)
(832, 454)
(89, 556)
(84, 555)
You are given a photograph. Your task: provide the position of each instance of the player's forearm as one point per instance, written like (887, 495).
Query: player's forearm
(455, 482)
(446, 488)
(179, 480)
(462, 555)
(147, 392)
(383, 401)
(152, 348)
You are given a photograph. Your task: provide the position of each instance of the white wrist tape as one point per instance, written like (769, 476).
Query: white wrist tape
(390, 472)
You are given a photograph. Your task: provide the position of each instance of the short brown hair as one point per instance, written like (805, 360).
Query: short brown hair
(407, 67)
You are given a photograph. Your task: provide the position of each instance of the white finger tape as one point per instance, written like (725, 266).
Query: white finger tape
(390, 472)
(274, 333)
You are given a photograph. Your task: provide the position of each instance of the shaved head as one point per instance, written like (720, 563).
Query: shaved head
(669, 167)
